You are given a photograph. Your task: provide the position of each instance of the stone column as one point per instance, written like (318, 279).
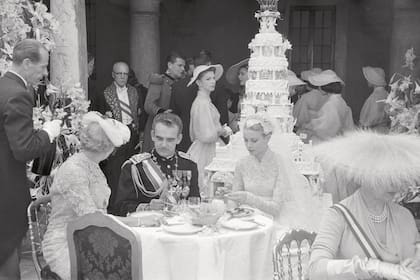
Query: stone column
(406, 22)
(144, 38)
(69, 58)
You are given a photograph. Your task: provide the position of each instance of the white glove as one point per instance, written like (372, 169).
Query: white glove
(351, 269)
(390, 271)
(53, 128)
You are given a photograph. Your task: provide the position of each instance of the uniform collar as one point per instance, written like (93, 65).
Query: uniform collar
(169, 77)
(164, 159)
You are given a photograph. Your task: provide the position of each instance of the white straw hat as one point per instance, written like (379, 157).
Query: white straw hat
(324, 78)
(202, 68)
(304, 75)
(233, 72)
(117, 132)
(374, 75)
(293, 79)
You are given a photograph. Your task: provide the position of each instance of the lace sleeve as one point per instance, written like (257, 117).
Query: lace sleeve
(238, 181)
(71, 181)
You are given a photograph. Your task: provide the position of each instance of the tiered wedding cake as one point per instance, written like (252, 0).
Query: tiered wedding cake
(267, 90)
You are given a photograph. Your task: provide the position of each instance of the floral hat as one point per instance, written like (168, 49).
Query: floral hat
(261, 119)
(202, 68)
(117, 132)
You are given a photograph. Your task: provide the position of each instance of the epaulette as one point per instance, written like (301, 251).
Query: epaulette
(156, 79)
(184, 155)
(137, 158)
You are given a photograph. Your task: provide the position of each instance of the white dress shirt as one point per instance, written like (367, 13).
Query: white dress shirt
(122, 94)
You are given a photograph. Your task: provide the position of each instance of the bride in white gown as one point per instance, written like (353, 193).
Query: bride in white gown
(271, 182)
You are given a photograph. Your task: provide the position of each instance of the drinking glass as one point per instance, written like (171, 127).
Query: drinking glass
(194, 202)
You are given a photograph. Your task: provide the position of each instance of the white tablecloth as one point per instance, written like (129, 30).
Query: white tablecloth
(227, 255)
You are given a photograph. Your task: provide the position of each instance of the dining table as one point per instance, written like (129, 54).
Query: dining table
(232, 249)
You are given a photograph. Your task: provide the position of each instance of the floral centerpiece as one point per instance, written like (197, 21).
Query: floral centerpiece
(404, 99)
(403, 107)
(21, 19)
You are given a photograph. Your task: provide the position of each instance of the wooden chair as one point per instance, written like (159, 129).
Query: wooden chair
(38, 215)
(102, 247)
(291, 247)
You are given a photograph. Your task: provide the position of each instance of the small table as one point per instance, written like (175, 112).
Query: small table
(223, 255)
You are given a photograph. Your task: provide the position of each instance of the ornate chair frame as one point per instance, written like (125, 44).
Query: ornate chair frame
(297, 236)
(35, 232)
(99, 219)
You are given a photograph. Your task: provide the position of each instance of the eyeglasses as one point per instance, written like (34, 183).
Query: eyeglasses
(121, 73)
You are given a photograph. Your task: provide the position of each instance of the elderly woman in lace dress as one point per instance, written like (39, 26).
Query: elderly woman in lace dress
(80, 187)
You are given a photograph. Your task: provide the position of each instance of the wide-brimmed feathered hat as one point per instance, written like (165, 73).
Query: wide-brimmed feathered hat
(373, 160)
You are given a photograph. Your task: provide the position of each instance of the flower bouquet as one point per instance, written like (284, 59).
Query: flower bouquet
(403, 102)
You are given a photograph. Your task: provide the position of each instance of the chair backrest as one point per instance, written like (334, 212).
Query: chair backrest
(288, 254)
(38, 214)
(101, 247)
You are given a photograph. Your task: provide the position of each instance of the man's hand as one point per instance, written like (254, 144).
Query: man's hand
(53, 128)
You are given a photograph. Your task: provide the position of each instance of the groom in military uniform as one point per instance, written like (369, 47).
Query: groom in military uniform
(148, 177)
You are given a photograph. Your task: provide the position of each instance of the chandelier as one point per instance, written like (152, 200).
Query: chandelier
(268, 5)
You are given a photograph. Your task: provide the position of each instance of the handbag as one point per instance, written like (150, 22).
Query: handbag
(361, 237)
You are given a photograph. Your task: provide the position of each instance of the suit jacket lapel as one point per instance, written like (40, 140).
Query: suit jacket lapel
(133, 99)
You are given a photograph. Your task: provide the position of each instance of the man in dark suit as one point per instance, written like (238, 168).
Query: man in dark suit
(122, 104)
(19, 143)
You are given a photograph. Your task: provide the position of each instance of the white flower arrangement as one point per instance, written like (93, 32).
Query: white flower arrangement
(20, 19)
(404, 99)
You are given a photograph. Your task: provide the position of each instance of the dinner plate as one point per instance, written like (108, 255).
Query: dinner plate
(184, 229)
(241, 212)
(238, 224)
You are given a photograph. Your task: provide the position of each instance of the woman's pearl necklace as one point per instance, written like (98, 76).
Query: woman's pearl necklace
(379, 218)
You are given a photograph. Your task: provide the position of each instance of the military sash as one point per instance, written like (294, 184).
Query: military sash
(152, 171)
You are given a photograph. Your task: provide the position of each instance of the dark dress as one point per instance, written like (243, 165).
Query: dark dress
(19, 143)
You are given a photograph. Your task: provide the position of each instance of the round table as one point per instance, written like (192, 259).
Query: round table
(223, 255)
